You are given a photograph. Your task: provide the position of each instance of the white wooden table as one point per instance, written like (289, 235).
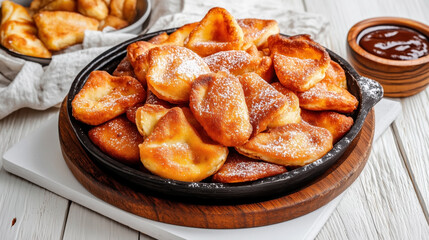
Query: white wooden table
(390, 199)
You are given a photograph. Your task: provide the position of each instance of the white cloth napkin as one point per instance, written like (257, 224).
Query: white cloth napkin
(28, 84)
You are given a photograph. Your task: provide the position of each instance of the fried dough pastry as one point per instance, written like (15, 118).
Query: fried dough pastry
(59, 29)
(131, 112)
(180, 36)
(153, 99)
(148, 116)
(238, 62)
(119, 139)
(326, 96)
(18, 33)
(125, 9)
(93, 8)
(172, 69)
(336, 123)
(238, 168)
(104, 97)
(160, 38)
(291, 113)
(217, 102)
(114, 22)
(138, 55)
(124, 68)
(217, 31)
(53, 5)
(295, 144)
(263, 101)
(174, 150)
(298, 63)
(257, 31)
(335, 75)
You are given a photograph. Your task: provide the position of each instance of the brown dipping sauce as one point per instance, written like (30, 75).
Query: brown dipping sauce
(394, 42)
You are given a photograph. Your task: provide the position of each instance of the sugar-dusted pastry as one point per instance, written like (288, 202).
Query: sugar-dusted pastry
(153, 99)
(138, 55)
(299, 64)
(238, 168)
(326, 96)
(114, 22)
(158, 39)
(93, 8)
(131, 112)
(180, 36)
(172, 69)
(335, 75)
(257, 31)
(119, 139)
(147, 116)
(336, 123)
(125, 9)
(264, 102)
(59, 29)
(124, 68)
(18, 32)
(295, 144)
(104, 97)
(53, 5)
(174, 150)
(238, 62)
(217, 31)
(217, 102)
(291, 113)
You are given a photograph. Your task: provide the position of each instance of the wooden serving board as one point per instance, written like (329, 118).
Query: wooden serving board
(309, 198)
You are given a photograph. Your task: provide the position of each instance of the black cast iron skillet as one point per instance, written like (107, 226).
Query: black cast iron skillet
(367, 91)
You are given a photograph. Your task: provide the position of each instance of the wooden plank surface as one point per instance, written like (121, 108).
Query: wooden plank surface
(26, 210)
(83, 223)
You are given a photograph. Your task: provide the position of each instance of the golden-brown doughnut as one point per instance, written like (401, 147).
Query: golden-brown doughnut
(18, 32)
(180, 36)
(217, 31)
(238, 168)
(93, 8)
(217, 102)
(172, 69)
(257, 31)
(104, 97)
(336, 123)
(131, 112)
(147, 117)
(125, 9)
(124, 69)
(326, 96)
(239, 62)
(174, 150)
(299, 64)
(53, 5)
(113, 21)
(158, 39)
(335, 75)
(119, 139)
(295, 144)
(59, 29)
(138, 55)
(291, 113)
(263, 101)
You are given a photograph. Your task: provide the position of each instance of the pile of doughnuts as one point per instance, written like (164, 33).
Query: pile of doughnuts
(220, 100)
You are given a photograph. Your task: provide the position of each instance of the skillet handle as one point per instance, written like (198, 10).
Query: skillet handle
(372, 92)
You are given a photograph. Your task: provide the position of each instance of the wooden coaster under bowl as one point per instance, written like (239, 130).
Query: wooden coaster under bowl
(399, 78)
(305, 200)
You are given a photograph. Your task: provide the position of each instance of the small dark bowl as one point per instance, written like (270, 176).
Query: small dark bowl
(367, 91)
(141, 21)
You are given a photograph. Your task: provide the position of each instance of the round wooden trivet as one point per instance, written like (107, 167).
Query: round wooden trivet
(303, 201)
